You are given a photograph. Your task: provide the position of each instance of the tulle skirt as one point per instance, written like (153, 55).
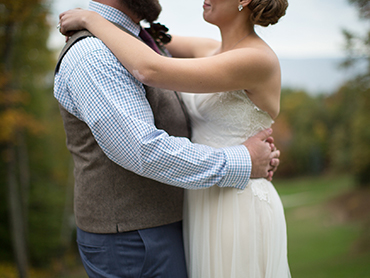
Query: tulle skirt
(230, 233)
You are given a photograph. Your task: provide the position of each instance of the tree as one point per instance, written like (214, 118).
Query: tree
(25, 62)
(355, 134)
(301, 133)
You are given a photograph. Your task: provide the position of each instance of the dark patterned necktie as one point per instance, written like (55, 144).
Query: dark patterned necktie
(147, 38)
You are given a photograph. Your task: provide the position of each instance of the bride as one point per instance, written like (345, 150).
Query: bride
(234, 92)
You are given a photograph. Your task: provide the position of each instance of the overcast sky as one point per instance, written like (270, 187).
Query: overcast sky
(310, 29)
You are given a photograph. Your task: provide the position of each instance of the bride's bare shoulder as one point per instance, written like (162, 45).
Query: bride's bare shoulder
(192, 47)
(206, 47)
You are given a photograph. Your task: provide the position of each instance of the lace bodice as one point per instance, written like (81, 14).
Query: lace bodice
(224, 119)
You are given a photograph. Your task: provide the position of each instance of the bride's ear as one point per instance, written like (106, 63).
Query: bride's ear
(244, 3)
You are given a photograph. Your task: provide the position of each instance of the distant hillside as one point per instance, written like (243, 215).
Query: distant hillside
(315, 75)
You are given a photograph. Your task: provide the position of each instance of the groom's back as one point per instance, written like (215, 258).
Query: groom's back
(108, 198)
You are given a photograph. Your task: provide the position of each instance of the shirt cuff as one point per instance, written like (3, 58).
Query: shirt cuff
(239, 167)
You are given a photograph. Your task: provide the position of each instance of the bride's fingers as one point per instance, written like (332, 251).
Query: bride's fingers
(67, 28)
(71, 21)
(70, 11)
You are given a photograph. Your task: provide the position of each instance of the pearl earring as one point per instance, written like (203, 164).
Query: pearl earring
(240, 7)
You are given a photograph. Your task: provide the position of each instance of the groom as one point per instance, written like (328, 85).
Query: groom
(129, 173)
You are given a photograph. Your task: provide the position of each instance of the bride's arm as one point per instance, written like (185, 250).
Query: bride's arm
(233, 70)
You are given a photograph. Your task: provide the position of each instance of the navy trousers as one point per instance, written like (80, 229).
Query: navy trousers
(155, 252)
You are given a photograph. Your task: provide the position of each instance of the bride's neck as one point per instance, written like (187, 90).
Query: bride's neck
(234, 37)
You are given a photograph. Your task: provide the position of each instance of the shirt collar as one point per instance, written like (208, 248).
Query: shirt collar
(115, 16)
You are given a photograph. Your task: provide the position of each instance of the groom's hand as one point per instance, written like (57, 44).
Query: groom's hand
(264, 155)
(274, 163)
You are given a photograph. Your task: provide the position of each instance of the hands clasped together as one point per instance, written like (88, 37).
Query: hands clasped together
(264, 155)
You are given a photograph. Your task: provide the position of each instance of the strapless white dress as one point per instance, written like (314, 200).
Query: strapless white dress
(230, 233)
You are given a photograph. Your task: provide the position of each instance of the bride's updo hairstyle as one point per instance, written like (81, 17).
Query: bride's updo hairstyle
(267, 12)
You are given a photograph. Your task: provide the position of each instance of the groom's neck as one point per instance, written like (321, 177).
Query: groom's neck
(119, 5)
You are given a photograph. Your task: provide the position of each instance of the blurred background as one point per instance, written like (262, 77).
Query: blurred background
(323, 131)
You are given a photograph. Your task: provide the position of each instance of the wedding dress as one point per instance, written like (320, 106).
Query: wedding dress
(230, 233)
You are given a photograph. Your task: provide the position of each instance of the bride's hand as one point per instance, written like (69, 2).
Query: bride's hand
(74, 20)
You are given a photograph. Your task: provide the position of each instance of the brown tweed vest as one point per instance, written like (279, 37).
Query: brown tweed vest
(108, 198)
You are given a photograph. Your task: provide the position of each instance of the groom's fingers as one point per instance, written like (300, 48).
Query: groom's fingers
(270, 140)
(274, 163)
(274, 158)
(275, 153)
(270, 175)
(264, 135)
(273, 147)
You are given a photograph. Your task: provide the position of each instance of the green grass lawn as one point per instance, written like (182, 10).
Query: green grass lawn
(320, 244)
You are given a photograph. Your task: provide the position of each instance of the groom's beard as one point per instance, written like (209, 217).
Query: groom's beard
(145, 9)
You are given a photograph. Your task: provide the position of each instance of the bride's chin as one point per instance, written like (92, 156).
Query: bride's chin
(205, 18)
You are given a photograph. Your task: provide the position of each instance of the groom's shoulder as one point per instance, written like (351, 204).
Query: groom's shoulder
(86, 46)
(85, 50)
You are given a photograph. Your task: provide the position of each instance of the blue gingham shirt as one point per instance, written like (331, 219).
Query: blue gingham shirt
(93, 86)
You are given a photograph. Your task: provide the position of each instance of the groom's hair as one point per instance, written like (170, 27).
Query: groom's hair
(148, 10)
